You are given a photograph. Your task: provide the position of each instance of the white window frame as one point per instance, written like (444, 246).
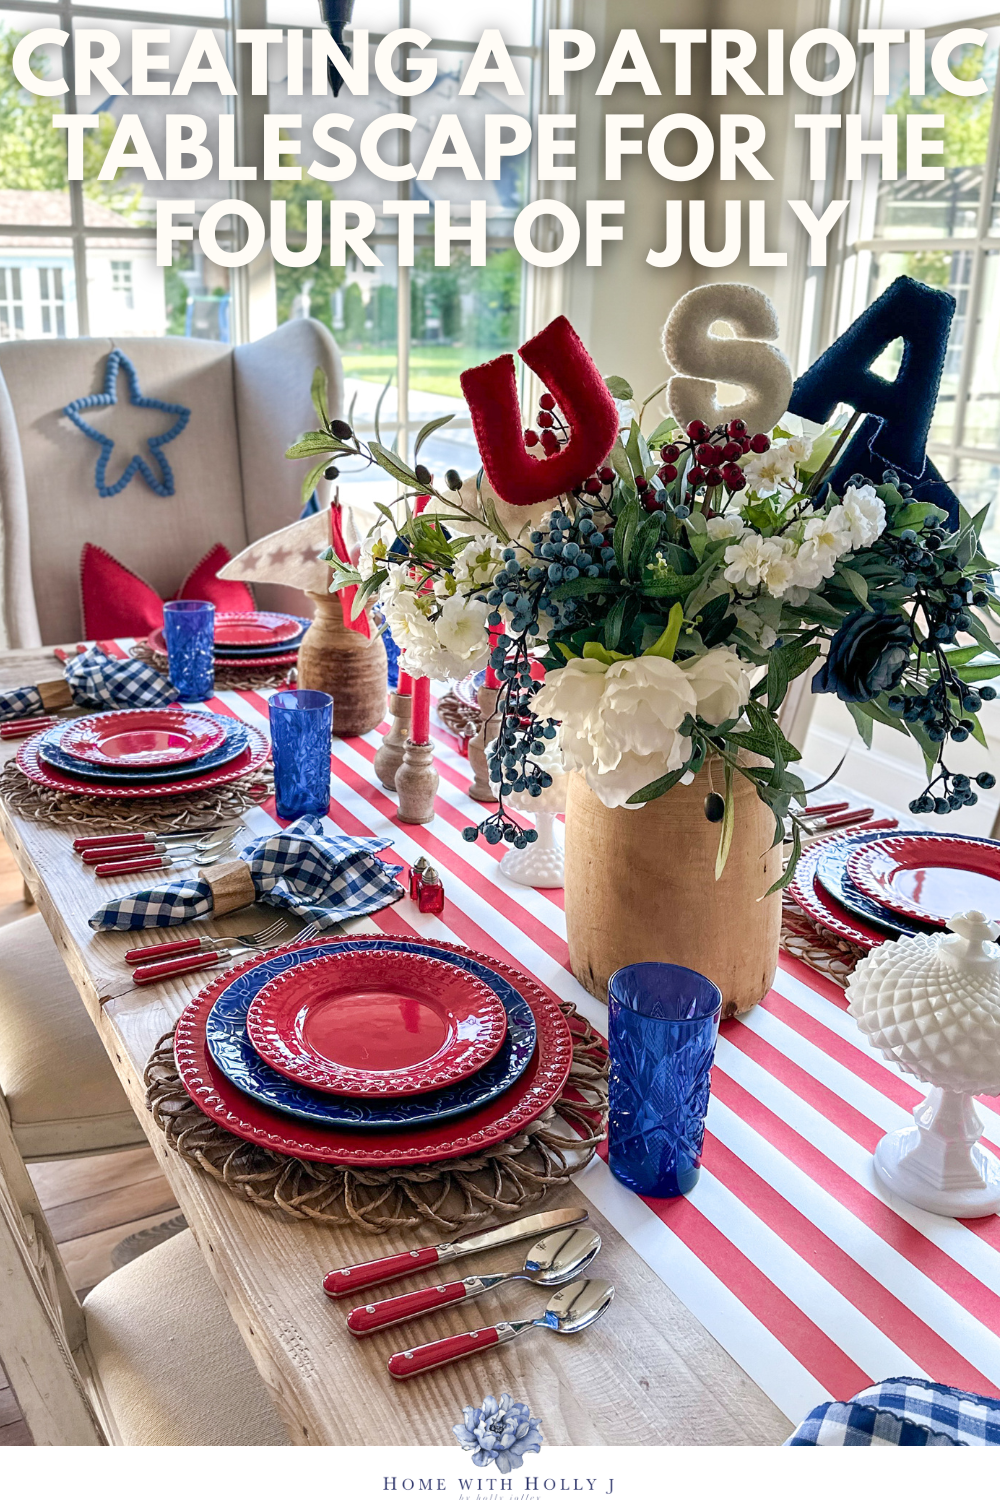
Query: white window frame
(845, 284)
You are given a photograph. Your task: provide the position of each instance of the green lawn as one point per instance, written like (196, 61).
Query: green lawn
(433, 368)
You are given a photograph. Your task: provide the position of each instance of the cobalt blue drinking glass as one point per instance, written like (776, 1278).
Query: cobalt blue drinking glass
(663, 1023)
(301, 733)
(189, 631)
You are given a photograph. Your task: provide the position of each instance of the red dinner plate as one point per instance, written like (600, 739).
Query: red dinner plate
(255, 629)
(930, 878)
(376, 1025)
(818, 904)
(251, 759)
(140, 737)
(158, 646)
(540, 1085)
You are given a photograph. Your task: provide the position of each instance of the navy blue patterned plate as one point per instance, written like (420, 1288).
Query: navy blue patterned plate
(234, 744)
(231, 1051)
(831, 872)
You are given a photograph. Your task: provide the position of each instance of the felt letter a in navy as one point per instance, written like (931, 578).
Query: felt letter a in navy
(894, 432)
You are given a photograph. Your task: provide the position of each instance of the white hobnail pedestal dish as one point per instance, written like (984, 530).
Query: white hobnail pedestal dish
(932, 1004)
(542, 863)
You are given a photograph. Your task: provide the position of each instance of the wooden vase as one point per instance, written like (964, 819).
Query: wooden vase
(640, 885)
(338, 661)
(389, 755)
(481, 790)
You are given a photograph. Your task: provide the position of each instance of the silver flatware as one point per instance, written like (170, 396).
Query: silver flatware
(571, 1310)
(557, 1258)
(350, 1279)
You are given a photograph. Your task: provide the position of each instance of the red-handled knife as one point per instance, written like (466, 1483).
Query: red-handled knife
(350, 1279)
(131, 866)
(153, 973)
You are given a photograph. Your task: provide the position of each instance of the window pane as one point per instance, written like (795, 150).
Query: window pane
(945, 272)
(467, 22)
(210, 8)
(33, 155)
(130, 198)
(982, 415)
(978, 484)
(126, 289)
(949, 207)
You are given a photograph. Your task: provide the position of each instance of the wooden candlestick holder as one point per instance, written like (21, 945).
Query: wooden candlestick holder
(389, 755)
(416, 783)
(481, 790)
(338, 661)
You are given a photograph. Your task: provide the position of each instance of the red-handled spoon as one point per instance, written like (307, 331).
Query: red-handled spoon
(571, 1310)
(558, 1258)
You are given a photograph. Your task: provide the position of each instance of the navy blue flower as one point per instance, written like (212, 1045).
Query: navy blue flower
(499, 1432)
(868, 656)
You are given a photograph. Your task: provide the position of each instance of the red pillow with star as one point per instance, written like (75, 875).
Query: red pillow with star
(115, 601)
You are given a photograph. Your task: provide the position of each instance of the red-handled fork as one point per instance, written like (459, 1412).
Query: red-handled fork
(154, 952)
(213, 959)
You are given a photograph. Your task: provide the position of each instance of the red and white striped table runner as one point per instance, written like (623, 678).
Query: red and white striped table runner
(788, 1250)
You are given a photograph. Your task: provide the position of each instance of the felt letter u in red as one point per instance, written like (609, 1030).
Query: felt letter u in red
(559, 359)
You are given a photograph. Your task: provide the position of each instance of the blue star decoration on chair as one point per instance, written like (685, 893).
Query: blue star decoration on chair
(164, 485)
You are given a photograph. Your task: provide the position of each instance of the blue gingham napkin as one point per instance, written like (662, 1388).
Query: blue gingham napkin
(97, 680)
(324, 878)
(903, 1413)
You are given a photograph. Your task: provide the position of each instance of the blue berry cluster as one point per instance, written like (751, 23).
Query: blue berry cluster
(562, 549)
(957, 792)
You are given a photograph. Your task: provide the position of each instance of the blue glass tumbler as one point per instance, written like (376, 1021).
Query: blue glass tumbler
(301, 734)
(663, 1024)
(189, 631)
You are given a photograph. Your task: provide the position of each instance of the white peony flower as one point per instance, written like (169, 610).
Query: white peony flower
(750, 560)
(570, 694)
(864, 513)
(765, 472)
(731, 525)
(620, 724)
(720, 683)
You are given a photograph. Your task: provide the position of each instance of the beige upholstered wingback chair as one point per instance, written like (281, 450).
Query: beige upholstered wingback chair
(57, 1087)
(232, 482)
(151, 1359)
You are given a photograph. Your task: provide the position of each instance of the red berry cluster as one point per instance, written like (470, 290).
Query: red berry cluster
(716, 455)
(551, 427)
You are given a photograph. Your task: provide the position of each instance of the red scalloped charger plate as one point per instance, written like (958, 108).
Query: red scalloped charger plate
(251, 759)
(376, 1025)
(142, 737)
(817, 903)
(539, 1086)
(158, 645)
(929, 878)
(257, 629)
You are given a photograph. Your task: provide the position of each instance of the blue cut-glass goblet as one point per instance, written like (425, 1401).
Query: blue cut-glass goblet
(301, 732)
(663, 1023)
(189, 631)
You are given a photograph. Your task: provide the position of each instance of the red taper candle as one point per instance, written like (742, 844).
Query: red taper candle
(405, 687)
(492, 680)
(420, 725)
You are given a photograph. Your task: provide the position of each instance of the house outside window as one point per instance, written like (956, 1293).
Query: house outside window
(11, 303)
(121, 281)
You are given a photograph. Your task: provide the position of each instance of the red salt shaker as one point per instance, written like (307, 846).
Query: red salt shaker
(416, 877)
(430, 896)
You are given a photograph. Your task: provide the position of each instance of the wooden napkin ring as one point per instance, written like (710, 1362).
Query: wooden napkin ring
(232, 886)
(55, 694)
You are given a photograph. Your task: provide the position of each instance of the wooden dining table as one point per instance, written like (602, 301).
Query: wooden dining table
(648, 1374)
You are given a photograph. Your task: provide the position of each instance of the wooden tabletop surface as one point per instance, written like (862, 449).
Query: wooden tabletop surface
(647, 1374)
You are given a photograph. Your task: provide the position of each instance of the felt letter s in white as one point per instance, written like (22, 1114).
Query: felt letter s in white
(701, 358)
